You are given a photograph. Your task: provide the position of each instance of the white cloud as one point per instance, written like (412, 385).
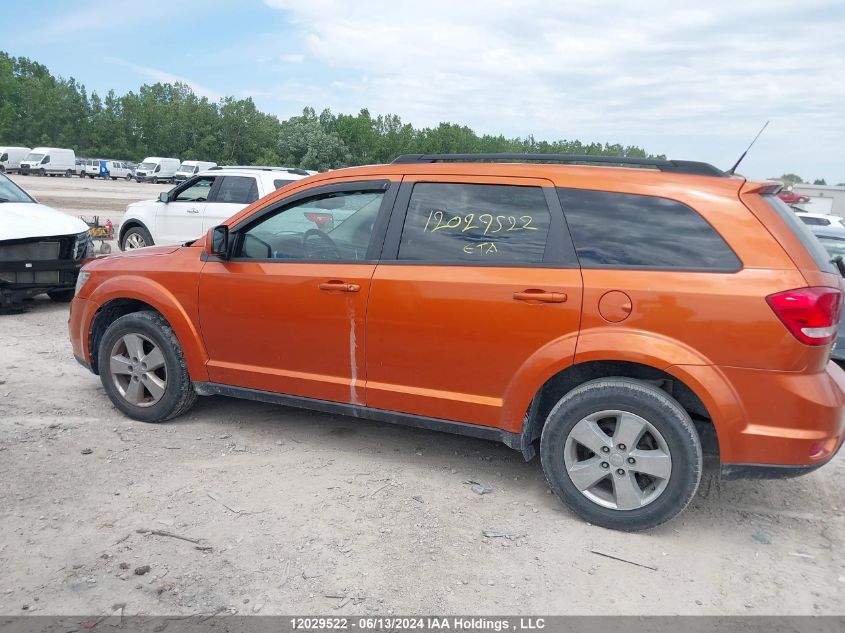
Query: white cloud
(292, 58)
(163, 76)
(690, 77)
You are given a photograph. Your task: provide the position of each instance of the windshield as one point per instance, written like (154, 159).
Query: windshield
(33, 157)
(147, 166)
(10, 192)
(187, 169)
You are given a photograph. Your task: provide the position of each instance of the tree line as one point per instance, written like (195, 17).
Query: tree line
(38, 108)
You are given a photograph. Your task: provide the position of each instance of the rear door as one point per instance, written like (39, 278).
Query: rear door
(232, 194)
(477, 276)
(180, 219)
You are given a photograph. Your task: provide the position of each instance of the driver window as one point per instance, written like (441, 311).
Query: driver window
(196, 192)
(332, 227)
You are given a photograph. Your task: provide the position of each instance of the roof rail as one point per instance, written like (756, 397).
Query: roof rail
(672, 166)
(292, 170)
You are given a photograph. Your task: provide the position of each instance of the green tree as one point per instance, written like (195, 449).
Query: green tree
(819, 181)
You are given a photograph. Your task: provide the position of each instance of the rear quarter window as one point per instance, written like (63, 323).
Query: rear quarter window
(619, 230)
(804, 235)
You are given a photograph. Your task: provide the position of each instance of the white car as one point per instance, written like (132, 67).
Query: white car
(821, 219)
(41, 249)
(188, 210)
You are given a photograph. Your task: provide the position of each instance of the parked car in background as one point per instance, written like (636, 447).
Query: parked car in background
(55, 161)
(11, 157)
(190, 167)
(185, 212)
(832, 238)
(820, 219)
(624, 321)
(41, 249)
(119, 169)
(790, 197)
(79, 168)
(155, 169)
(92, 167)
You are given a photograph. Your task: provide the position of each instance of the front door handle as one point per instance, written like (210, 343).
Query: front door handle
(193, 210)
(541, 296)
(336, 285)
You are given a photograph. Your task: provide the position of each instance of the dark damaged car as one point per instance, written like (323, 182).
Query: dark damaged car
(41, 249)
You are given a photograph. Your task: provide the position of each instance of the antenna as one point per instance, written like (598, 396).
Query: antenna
(731, 171)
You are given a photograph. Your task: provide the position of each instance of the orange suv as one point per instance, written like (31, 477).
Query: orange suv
(625, 316)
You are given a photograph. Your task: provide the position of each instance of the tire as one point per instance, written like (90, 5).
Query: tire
(153, 180)
(61, 296)
(128, 177)
(68, 173)
(2, 169)
(626, 498)
(136, 237)
(162, 393)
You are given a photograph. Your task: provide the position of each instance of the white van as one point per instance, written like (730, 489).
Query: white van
(55, 161)
(11, 157)
(154, 169)
(190, 167)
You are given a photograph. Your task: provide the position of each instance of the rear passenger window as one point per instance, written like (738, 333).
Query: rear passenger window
(618, 230)
(237, 189)
(279, 183)
(493, 225)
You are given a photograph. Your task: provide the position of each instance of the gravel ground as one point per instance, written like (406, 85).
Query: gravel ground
(295, 512)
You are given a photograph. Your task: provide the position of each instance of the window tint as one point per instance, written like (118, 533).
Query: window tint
(632, 231)
(494, 225)
(278, 184)
(238, 190)
(5, 157)
(196, 192)
(333, 227)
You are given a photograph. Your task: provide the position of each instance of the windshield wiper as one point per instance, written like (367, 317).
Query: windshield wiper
(4, 200)
(840, 265)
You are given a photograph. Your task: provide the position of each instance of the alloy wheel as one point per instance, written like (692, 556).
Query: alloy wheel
(617, 460)
(134, 240)
(138, 370)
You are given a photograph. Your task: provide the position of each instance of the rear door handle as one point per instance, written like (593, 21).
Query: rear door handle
(336, 285)
(541, 296)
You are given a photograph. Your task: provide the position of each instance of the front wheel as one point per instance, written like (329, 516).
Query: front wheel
(621, 454)
(143, 370)
(128, 177)
(136, 237)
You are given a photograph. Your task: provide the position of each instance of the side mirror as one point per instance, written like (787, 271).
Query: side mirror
(164, 197)
(217, 242)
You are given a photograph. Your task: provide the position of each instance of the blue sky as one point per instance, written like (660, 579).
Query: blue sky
(689, 79)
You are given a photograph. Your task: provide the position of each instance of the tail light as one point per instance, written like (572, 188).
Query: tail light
(810, 314)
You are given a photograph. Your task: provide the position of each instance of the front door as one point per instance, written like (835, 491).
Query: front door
(484, 277)
(286, 312)
(180, 219)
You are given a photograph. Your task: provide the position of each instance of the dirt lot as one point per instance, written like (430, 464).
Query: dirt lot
(294, 512)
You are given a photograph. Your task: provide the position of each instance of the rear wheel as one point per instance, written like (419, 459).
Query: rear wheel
(136, 237)
(68, 173)
(128, 177)
(143, 370)
(622, 454)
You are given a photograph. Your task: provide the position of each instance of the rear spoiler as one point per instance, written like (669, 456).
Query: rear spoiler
(763, 188)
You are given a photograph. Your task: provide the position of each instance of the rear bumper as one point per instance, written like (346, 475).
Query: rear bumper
(789, 421)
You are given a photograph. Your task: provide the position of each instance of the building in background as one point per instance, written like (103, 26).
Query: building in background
(823, 198)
